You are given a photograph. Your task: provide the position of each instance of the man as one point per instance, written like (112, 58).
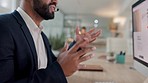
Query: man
(83, 30)
(25, 54)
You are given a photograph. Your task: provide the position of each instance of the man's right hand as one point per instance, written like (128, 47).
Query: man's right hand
(70, 59)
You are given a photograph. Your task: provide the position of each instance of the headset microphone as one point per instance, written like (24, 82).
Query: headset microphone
(57, 9)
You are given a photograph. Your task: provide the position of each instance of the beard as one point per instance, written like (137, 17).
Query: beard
(43, 9)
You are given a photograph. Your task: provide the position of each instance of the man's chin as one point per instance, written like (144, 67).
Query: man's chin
(49, 17)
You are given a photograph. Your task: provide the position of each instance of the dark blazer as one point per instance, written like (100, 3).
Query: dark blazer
(18, 57)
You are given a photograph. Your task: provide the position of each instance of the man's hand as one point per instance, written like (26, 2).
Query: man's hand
(70, 59)
(89, 36)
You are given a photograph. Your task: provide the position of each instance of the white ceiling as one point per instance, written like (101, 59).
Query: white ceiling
(105, 8)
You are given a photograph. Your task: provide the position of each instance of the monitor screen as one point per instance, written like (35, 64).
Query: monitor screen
(140, 31)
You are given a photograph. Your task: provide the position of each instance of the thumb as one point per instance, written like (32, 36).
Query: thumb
(77, 33)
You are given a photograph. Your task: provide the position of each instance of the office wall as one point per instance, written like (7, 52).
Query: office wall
(126, 29)
(7, 6)
(54, 27)
(71, 21)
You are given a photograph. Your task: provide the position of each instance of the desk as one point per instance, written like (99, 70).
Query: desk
(116, 73)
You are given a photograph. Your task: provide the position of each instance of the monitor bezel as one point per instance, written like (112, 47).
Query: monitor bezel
(135, 58)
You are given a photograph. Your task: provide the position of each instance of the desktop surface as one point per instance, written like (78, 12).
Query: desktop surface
(112, 72)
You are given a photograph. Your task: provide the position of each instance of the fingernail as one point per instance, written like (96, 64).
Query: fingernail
(93, 48)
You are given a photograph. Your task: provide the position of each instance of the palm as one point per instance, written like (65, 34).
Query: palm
(89, 36)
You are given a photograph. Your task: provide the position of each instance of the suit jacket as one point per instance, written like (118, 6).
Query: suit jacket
(18, 57)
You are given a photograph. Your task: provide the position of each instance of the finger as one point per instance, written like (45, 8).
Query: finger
(92, 36)
(81, 66)
(91, 31)
(65, 48)
(96, 34)
(78, 37)
(77, 30)
(85, 58)
(77, 45)
(84, 51)
(92, 40)
(77, 33)
(87, 37)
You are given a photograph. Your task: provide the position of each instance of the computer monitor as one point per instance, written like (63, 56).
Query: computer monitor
(140, 36)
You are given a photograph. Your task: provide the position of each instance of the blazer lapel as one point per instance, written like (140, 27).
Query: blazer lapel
(27, 35)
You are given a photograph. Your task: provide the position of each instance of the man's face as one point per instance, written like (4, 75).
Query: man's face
(45, 9)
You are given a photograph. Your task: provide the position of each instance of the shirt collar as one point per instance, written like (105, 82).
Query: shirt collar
(28, 20)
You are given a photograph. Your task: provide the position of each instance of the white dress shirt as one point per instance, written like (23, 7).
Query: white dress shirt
(38, 41)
